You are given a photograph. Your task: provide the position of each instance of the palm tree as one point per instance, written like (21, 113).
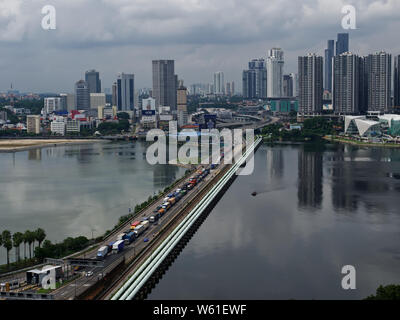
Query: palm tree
(18, 238)
(31, 239)
(7, 244)
(26, 237)
(40, 236)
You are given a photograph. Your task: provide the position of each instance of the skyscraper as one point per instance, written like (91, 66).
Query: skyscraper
(329, 53)
(397, 81)
(310, 84)
(379, 76)
(342, 43)
(275, 65)
(288, 85)
(232, 88)
(92, 78)
(164, 83)
(363, 86)
(126, 92)
(346, 83)
(255, 80)
(114, 94)
(82, 96)
(182, 104)
(219, 83)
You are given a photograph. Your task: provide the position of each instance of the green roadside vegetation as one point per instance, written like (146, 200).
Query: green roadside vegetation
(389, 292)
(313, 130)
(46, 249)
(341, 139)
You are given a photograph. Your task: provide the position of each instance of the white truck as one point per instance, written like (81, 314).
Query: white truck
(145, 224)
(102, 253)
(118, 246)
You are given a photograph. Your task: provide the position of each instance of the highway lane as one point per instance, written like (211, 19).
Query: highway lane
(132, 250)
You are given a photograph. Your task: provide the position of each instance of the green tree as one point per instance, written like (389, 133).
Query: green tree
(29, 236)
(25, 240)
(123, 115)
(390, 292)
(7, 244)
(40, 236)
(18, 238)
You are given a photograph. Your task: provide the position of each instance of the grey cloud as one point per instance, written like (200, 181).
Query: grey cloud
(201, 35)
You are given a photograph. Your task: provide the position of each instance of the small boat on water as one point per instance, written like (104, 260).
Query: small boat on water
(254, 194)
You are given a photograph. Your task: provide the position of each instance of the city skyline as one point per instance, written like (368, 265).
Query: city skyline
(197, 45)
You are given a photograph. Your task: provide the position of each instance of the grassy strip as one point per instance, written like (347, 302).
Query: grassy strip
(361, 143)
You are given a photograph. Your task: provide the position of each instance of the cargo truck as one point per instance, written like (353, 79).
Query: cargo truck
(102, 252)
(120, 236)
(110, 246)
(118, 246)
(161, 212)
(166, 206)
(155, 217)
(145, 225)
(138, 231)
(134, 225)
(129, 238)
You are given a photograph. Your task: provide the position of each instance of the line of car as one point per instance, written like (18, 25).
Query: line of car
(137, 228)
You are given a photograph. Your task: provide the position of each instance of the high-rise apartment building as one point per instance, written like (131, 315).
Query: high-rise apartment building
(329, 54)
(82, 96)
(53, 104)
(114, 94)
(164, 83)
(346, 83)
(97, 100)
(33, 124)
(289, 85)
(219, 83)
(378, 69)
(182, 105)
(68, 101)
(92, 78)
(396, 82)
(342, 43)
(310, 84)
(126, 92)
(275, 63)
(255, 80)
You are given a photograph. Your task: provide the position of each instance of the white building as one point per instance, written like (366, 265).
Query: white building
(73, 126)
(52, 104)
(58, 126)
(275, 63)
(361, 126)
(149, 117)
(219, 84)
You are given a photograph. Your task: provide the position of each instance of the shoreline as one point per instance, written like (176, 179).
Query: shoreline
(362, 144)
(11, 145)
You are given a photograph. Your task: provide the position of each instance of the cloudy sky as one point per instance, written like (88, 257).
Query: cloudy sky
(202, 36)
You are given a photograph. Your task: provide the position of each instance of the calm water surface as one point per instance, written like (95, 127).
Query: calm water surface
(74, 190)
(317, 210)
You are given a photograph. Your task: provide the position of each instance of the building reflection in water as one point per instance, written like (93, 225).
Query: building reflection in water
(310, 179)
(275, 164)
(343, 197)
(35, 154)
(164, 175)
